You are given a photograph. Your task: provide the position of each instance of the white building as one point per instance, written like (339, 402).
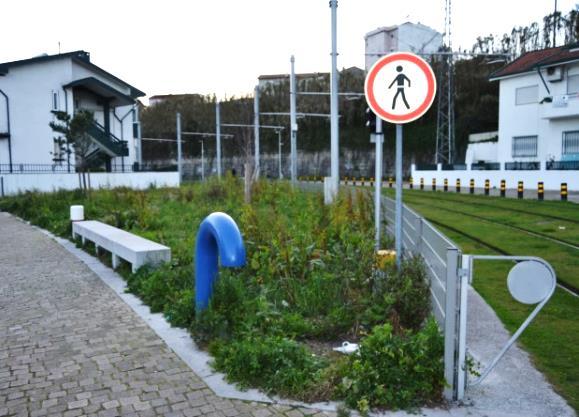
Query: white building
(31, 89)
(538, 136)
(539, 108)
(407, 37)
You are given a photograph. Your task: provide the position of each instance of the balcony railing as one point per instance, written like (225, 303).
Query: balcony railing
(426, 167)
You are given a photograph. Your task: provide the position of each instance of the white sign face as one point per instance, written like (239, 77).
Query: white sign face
(400, 87)
(530, 282)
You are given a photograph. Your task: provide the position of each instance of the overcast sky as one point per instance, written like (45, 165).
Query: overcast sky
(221, 46)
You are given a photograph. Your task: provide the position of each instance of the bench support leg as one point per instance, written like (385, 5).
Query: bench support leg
(115, 261)
(96, 249)
(82, 239)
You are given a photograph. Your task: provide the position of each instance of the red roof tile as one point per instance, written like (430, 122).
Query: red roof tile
(541, 58)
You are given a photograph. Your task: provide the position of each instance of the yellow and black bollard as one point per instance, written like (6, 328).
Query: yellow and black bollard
(411, 183)
(503, 188)
(487, 187)
(540, 191)
(434, 184)
(446, 185)
(371, 181)
(471, 186)
(363, 181)
(421, 183)
(520, 190)
(345, 180)
(391, 182)
(458, 185)
(321, 179)
(564, 191)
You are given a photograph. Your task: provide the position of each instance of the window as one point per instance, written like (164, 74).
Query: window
(527, 95)
(571, 142)
(524, 146)
(55, 100)
(573, 84)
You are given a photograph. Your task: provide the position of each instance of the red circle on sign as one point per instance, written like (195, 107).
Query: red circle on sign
(371, 78)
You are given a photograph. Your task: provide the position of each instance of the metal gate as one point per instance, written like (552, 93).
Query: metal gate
(443, 259)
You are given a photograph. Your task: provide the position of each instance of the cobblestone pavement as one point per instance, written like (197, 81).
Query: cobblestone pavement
(70, 347)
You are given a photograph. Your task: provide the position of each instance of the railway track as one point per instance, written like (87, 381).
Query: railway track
(562, 284)
(541, 235)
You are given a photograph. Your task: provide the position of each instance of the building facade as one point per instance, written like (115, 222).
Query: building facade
(407, 37)
(31, 90)
(539, 108)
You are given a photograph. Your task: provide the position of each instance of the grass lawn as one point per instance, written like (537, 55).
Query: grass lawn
(553, 338)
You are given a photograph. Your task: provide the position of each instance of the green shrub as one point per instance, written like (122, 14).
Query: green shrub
(396, 371)
(274, 363)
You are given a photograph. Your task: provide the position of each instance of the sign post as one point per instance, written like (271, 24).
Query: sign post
(400, 88)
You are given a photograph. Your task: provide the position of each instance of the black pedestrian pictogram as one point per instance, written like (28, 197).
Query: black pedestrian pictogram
(399, 80)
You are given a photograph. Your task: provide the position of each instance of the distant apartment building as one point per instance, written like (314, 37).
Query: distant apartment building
(407, 37)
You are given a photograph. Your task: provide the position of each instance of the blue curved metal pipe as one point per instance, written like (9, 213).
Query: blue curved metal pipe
(218, 238)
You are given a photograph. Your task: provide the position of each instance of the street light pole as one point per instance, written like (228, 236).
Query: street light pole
(378, 183)
(179, 167)
(279, 153)
(256, 128)
(218, 136)
(334, 127)
(293, 123)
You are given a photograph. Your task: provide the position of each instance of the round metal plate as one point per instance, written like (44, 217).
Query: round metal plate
(529, 282)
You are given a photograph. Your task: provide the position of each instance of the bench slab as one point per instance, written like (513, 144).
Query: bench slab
(134, 249)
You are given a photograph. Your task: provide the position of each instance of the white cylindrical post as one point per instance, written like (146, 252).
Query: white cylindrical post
(139, 138)
(398, 215)
(293, 124)
(378, 183)
(279, 153)
(218, 136)
(179, 167)
(256, 128)
(334, 127)
(76, 213)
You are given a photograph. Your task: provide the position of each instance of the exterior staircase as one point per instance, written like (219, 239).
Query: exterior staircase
(107, 142)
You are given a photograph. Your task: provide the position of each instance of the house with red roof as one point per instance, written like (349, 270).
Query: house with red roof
(539, 110)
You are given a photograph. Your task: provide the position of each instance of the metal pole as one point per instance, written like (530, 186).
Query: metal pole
(334, 127)
(179, 168)
(293, 123)
(555, 25)
(202, 159)
(378, 183)
(218, 136)
(139, 136)
(279, 153)
(398, 217)
(256, 128)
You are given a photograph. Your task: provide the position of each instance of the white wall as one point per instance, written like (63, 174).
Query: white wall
(551, 179)
(484, 151)
(17, 183)
(29, 89)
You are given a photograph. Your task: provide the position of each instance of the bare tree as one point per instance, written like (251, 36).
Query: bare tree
(73, 132)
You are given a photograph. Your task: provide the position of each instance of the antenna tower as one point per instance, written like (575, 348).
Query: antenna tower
(445, 145)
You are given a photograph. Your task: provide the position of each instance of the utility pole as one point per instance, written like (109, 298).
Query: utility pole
(203, 159)
(293, 124)
(334, 126)
(179, 167)
(218, 136)
(378, 184)
(256, 128)
(279, 153)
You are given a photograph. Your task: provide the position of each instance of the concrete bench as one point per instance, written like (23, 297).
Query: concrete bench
(133, 249)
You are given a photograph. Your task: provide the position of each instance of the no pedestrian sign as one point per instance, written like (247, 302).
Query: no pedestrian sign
(400, 87)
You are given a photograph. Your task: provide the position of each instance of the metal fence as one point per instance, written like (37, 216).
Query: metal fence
(64, 168)
(442, 259)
